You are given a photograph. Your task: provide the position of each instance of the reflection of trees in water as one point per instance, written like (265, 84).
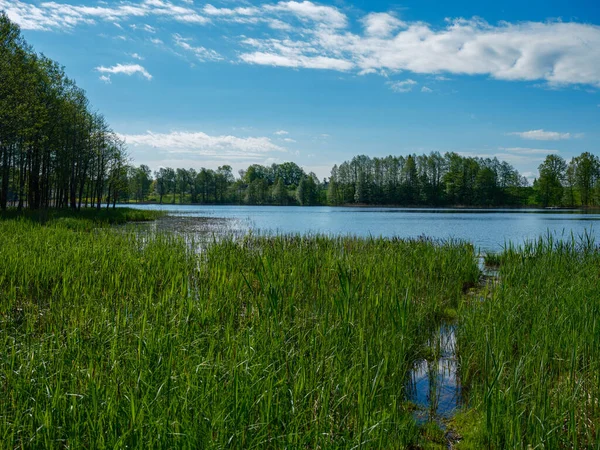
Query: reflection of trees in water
(434, 385)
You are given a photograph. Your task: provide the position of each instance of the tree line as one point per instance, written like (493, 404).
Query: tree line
(55, 151)
(413, 180)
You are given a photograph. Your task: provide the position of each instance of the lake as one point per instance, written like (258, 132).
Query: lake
(487, 229)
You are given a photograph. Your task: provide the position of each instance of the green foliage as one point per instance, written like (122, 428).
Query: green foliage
(115, 339)
(549, 185)
(529, 353)
(54, 151)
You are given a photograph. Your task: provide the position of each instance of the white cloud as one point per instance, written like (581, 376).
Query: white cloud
(402, 86)
(240, 11)
(322, 15)
(555, 52)
(54, 15)
(303, 34)
(290, 140)
(277, 24)
(202, 144)
(202, 53)
(381, 24)
(426, 90)
(125, 69)
(530, 151)
(137, 56)
(542, 135)
(296, 61)
(281, 133)
(105, 78)
(156, 41)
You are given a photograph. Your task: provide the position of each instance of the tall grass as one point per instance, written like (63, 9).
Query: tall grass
(531, 352)
(114, 340)
(84, 219)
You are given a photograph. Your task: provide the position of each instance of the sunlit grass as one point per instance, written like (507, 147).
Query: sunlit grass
(127, 340)
(531, 352)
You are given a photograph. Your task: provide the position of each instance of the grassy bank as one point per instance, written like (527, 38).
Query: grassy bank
(530, 353)
(86, 218)
(111, 340)
(119, 339)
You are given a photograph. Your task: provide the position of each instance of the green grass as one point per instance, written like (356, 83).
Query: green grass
(530, 354)
(84, 219)
(125, 339)
(492, 260)
(121, 340)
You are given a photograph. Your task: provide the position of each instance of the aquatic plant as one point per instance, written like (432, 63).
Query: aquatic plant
(127, 340)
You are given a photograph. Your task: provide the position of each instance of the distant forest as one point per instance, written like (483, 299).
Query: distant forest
(55, 151)
(413, 180)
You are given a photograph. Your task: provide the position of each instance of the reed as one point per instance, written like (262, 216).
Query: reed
(122, 339)
(530, 353)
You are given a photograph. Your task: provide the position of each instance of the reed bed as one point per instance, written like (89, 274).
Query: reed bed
(530, 353)
(116, 340)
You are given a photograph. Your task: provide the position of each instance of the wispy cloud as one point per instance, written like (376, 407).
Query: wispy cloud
(211, 10)
(125, 69)
(54, 15)
(402, 87)
(201, 53)
(529, 151)
(303, 34)
(542, 135)
(281, 133)
(201, 144)
(308, 11)
(426, 90)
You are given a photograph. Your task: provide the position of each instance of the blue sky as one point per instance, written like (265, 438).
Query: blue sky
(190, 83)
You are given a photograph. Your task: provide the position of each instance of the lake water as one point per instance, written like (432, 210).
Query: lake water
(487, 229)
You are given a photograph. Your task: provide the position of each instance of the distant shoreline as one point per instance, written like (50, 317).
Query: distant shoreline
(366, 206)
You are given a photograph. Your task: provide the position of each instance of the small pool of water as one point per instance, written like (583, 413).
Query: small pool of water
(434, 386)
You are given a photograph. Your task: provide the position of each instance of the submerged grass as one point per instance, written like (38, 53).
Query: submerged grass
(121, 340)
(530, 353)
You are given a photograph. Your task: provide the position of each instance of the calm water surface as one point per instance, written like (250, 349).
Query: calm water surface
(487, 229)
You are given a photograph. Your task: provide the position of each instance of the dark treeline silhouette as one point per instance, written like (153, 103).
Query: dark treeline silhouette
(54, 150)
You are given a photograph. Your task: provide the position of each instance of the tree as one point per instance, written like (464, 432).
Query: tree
(549, 186)
(586, 168)
(279, 194)
(306, 193)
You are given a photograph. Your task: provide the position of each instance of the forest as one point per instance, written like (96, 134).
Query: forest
(413, 180)
(57, 151)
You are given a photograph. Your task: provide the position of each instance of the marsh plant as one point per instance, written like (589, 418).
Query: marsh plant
(111, 340)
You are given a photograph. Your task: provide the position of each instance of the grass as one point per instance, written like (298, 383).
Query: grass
(84, 219)
(492, 260)
(530, 354)
(122, 340)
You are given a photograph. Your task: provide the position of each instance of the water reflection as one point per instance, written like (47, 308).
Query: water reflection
(434, 385)
(488, 230)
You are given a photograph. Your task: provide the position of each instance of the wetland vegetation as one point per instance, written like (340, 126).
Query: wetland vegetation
(120, 338)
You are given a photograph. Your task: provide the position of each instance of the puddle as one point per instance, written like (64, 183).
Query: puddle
(434, 385)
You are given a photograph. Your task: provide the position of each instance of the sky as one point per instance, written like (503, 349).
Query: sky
(191, 83)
